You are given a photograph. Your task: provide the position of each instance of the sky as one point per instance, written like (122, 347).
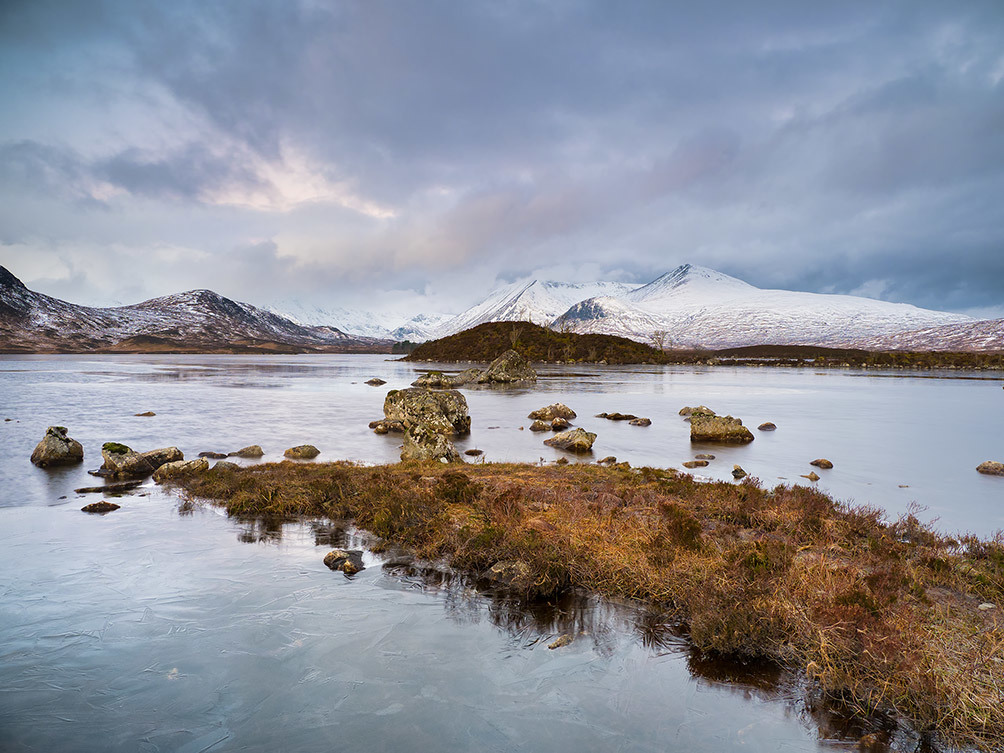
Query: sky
(410, 156)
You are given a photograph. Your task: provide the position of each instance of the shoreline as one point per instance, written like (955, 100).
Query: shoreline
(890, 617)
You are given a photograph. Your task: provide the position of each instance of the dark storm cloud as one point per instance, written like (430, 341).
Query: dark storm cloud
(851, 147)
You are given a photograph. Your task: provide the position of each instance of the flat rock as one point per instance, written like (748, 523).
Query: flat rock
(120, 486)
(766, 426)
(251, 451)
(508, 368)
(709, 428)
(444, 411)
(56, 448)
(348, 561)
(302, 452)
(576, 440)
(695, 463)
(100, 507)
(180, 468)
(145, 414)
(553, 411)
(474, 453)
(991, 468)
(821, 463)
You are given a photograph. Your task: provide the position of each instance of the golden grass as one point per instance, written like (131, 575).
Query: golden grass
(882, 616)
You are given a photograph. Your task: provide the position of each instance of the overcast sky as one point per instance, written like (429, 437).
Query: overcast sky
(416, 153)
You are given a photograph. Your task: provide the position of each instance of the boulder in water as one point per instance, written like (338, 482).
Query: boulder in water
(709, 428)
(558, 424)
(695, 463)
(576, 440)
(617, 416)
(375, 382)
(738, 472)
(100, 507)
(251, 451)
(991, 468)
(811, 475)
(444, 411)
(423, 443)
(766, 426)
(348, 561)
(180, 468)
(640, 422)
(551, 412)
(821, 463)
(507, 368)
(302, 452)
(56, 448)
(689, 411)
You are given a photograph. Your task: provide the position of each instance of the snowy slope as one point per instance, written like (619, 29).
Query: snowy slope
(533, 301)
(197, 319)
(702, 308)
(983, 334)
(385, 325)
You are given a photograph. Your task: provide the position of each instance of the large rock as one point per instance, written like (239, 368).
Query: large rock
(120, 460)
(551, 412)
(576, 440)
(439, 380)
(508, 367)
(689, 411)
(251, 451)
(180, 468)
(302, 452)
(708, 428)
(444, 411)
(991, 468)
(423, 443)
(56, 448)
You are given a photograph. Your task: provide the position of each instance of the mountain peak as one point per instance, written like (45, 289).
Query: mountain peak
(8, 280)
(688, 277)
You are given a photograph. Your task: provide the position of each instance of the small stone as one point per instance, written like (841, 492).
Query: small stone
(558, 424)
(561, 642)
(640, 422)
(213, 455)
(145, 414)
(375, 382)
(821, 463)
(766, 426)
(986, 606)
(904, 486)
(695, 463)
(688, 411)
(991, 468)
(705, 456)
(100, 507)
(474, 453)
(812, 476)
(738, 472)
(302, 452)
(539, 426)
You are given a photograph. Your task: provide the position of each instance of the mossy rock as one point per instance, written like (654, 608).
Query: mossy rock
(115, 448)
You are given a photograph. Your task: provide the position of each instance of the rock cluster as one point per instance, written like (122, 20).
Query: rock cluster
(508, 368)
(56, 448)
(120, 460)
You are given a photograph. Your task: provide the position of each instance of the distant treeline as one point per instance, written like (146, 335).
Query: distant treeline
(540, 344)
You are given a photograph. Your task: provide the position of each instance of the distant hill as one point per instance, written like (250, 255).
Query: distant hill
(486, 341)
(197, 321)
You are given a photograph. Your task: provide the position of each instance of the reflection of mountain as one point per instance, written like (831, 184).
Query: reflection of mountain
(195, 321)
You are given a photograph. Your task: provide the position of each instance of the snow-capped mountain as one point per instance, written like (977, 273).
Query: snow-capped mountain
(535, 301)
(385, 325)
(195, 320)
(702, 308)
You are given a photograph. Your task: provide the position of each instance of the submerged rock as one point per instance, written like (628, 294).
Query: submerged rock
(812, 476)
(100, 507)
(56, 448)
(991, 468)
(375, 382)
(180, 468)
(709, 428)
(348, 561)
(423, 443)
(617, 416)
(444, 411)
(213, 455)
(302, 452)
(576, 440)
(145, 414)
(121, 486)
(821, 463)
(507, 368)
(251, 451)
(766, 426)
(553, 411)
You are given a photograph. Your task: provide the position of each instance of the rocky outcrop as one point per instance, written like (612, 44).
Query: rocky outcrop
(576, 440)
(821, 463)
(444, 411)
(302, 452)
(766, 426)
(710, 428)
(56, 448)
(423, 443)
(551, 412)
(991, 468)
(121, 460)
(180, 468)
(251, 451)
(100, 507)
(348, 561)
(507, 368)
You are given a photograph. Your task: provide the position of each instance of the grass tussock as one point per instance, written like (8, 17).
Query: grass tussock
(882, 616)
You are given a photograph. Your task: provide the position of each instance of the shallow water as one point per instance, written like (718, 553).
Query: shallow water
(148, 629)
